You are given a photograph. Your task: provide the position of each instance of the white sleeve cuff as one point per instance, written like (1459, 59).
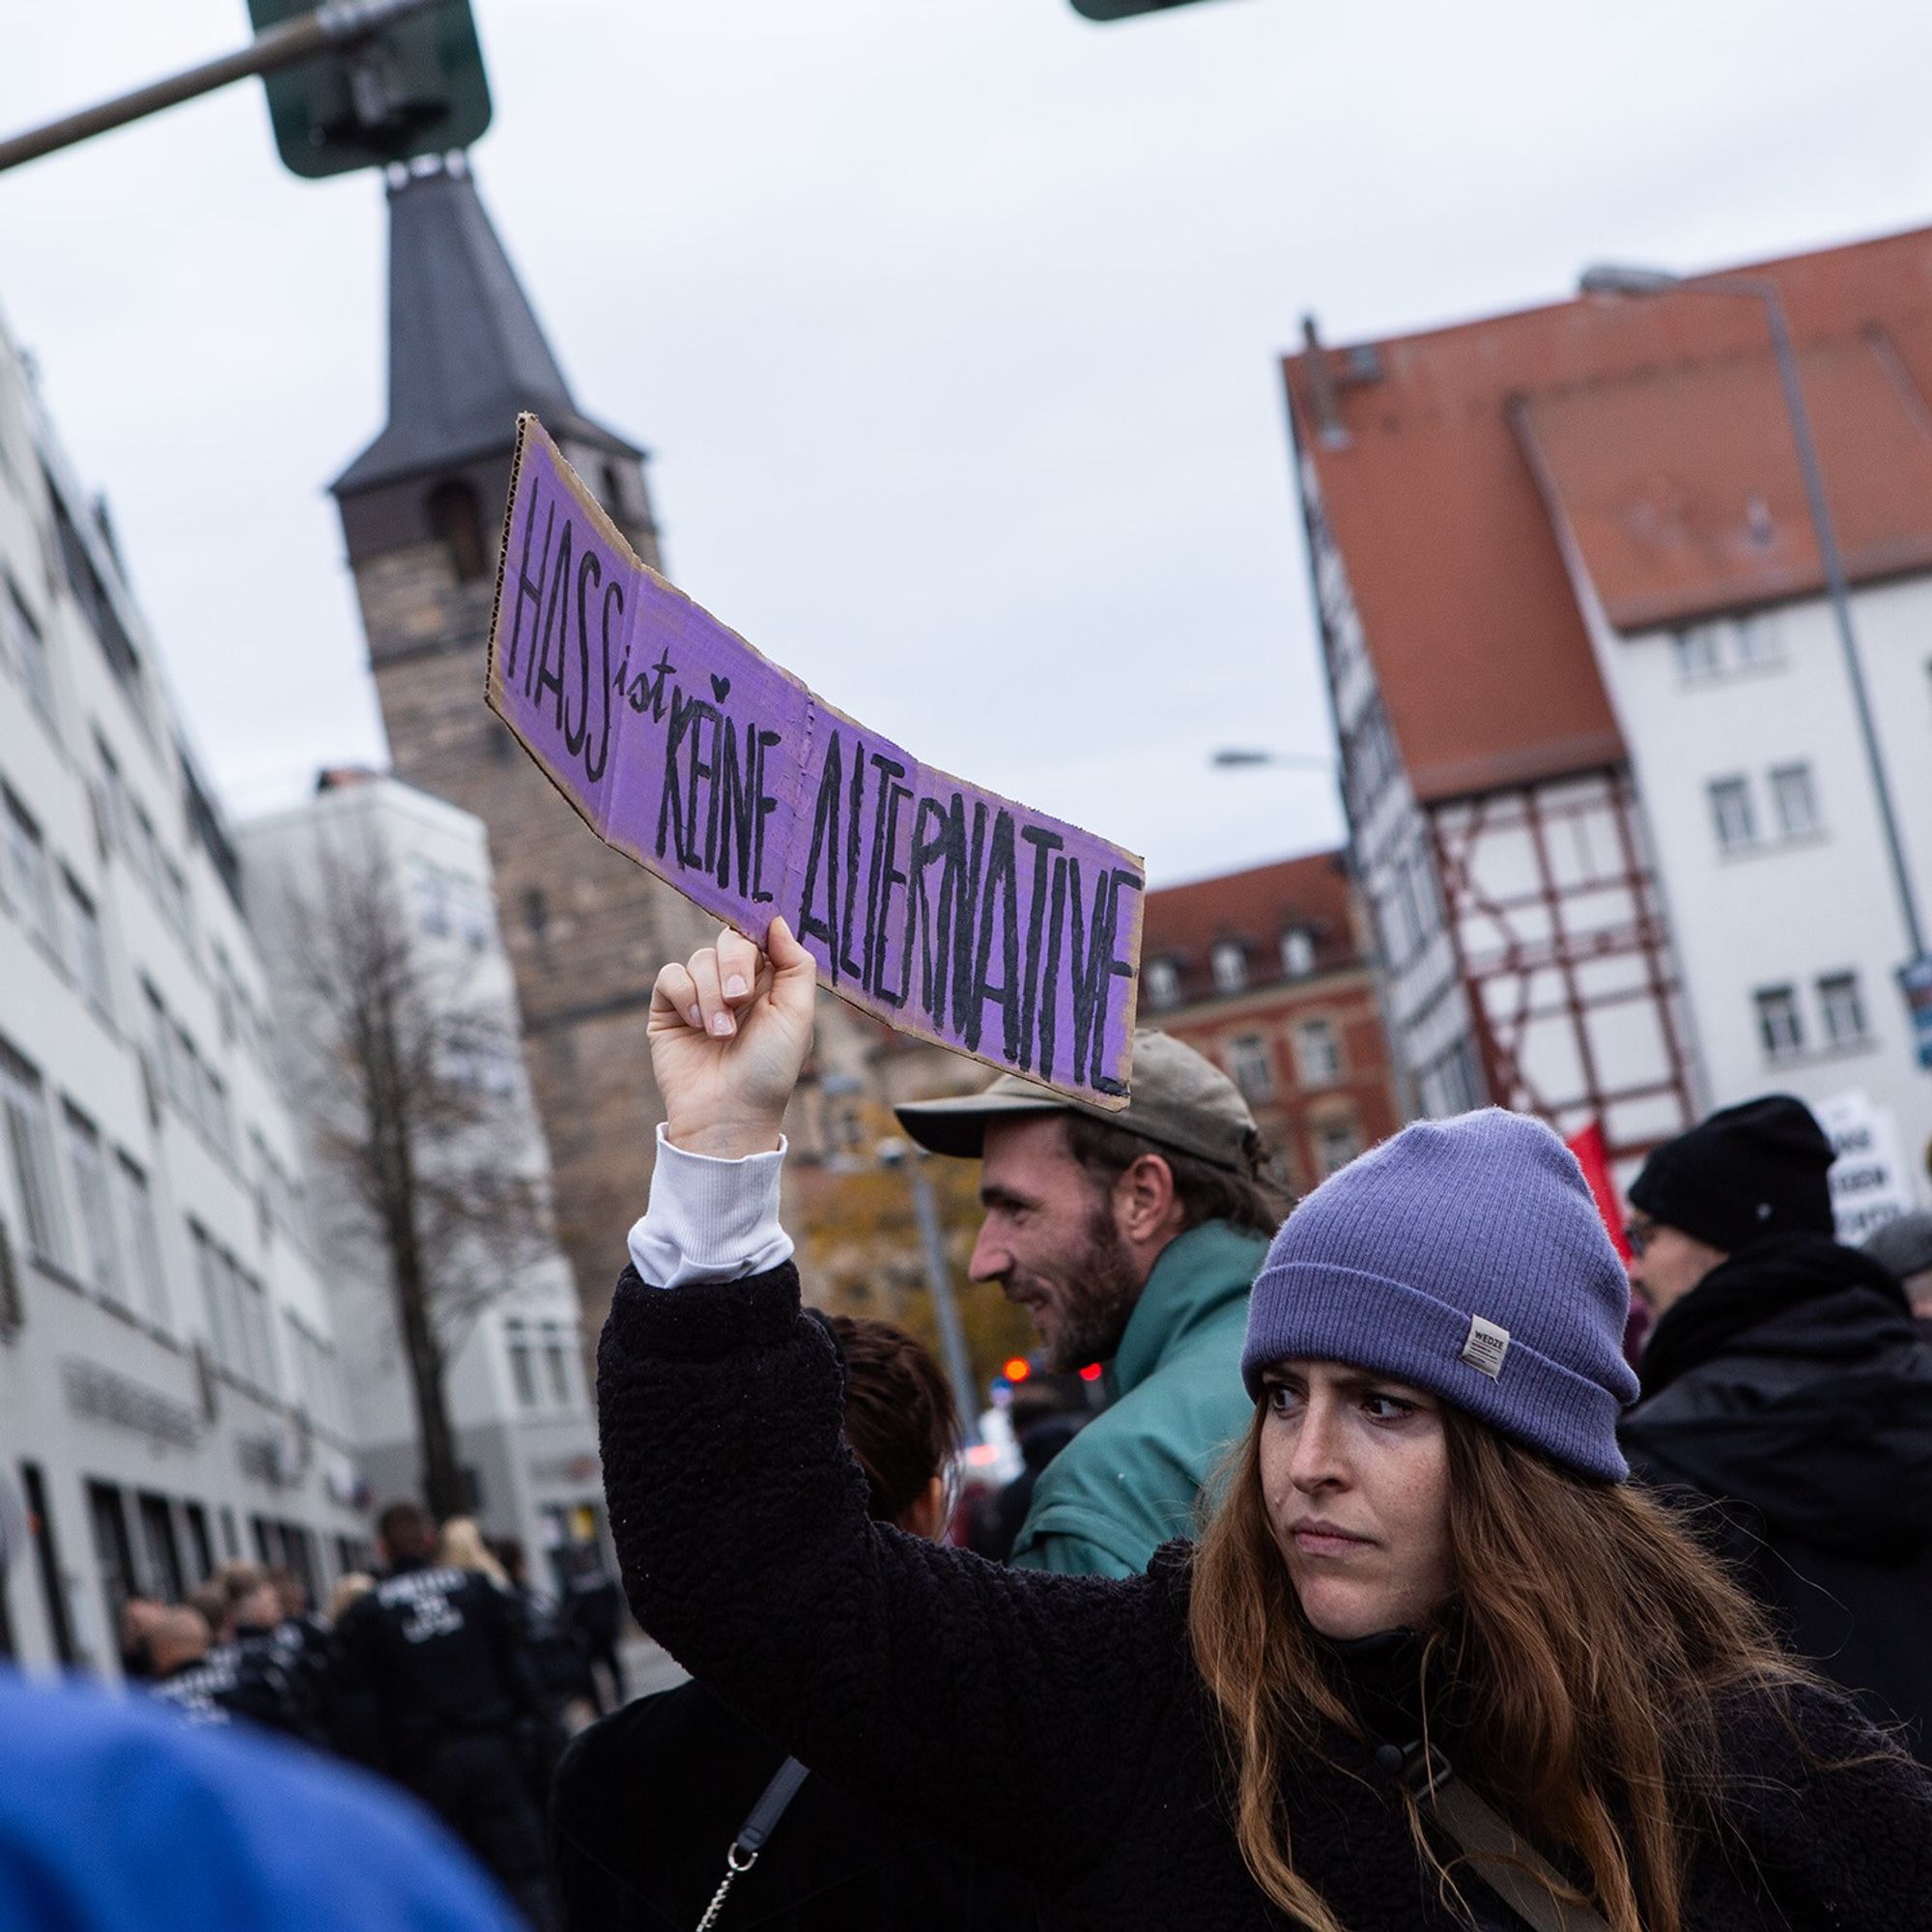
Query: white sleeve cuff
(709, 1220)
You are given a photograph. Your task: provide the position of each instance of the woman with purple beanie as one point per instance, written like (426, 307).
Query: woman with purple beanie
(1433, 1662)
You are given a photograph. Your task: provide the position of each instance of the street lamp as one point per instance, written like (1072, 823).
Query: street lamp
(1236, 757)
(1614, 279)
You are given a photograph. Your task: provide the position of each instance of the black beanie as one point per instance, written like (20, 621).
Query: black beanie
(1747, 1173)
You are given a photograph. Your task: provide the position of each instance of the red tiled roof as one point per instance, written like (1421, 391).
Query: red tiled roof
(1255, 906)
(1682, 487)
(1656, 423)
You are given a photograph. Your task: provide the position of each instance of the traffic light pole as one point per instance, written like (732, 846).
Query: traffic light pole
(330, 29)
(944, 1308)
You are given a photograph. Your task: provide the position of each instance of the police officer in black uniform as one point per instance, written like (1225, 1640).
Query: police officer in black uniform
(437, 1688)
(224, 1682)
(303, 1645)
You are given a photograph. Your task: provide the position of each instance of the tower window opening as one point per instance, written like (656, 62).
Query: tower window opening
(456, 522)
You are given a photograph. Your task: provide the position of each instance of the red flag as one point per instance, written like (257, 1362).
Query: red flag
(1594, 1159)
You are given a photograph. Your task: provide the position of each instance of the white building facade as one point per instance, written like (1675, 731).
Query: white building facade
(169, 1388)
(1764, 799)
(515, 1383)
(1764, 810)
(1580, 653)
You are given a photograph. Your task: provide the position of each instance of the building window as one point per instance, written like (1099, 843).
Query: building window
(555, 1367)
(1695, 649)
(31, 876)
(1731, 813)
(1252, 1065)
(23, 645)
(1228, 958)
(1317, 1053)
(216, 1117)
(251, 1302)
(118, 807)
(429, 887)
(314, 1369)
(160, 1040)
(480, 1059)
(224, 994)
(207, 1274)
(187, 1064)
(198, 1537)
(456, 522)
(87, 1167)
(614, 493)
(1163, 982)
(89, 949)
(158, 1545)
(1412, 882)
(176, 906)
(31, 1145)
(475, 921)
(90, 591)
(1298, 953)
(523, 1368)
(144, 1241)
(1843, 1010)
(1336, 1144)
(1778, 1026)
(1757, 645)
(113, 1552)
(47, 1562)
(1793, 800)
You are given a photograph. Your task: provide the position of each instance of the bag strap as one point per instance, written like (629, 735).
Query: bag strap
(759, 1824)
(1509, 1868)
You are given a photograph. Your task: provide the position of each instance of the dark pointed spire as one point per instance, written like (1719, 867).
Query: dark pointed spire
(466, 351)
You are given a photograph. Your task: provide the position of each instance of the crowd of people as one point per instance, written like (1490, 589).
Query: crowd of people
(1398, 1579)
(446, 1672)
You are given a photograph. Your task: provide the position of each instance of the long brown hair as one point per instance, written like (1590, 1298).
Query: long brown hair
(1594, 1648)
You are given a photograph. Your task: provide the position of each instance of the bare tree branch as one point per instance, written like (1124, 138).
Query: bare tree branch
(410, 1080)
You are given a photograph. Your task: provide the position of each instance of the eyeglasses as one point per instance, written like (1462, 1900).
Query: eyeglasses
(1639, 1236)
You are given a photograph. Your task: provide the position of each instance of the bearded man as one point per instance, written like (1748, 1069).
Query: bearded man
(1132, 1239)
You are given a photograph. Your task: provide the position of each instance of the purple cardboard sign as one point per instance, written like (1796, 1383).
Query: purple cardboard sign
(946, 911)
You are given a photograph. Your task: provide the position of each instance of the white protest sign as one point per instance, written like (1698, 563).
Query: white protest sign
(1868, 1177)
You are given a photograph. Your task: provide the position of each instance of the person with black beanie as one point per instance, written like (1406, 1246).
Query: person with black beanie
(1785, 1383)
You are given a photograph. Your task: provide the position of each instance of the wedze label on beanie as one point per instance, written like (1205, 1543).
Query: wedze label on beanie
(941, 908)
(1485, 1347)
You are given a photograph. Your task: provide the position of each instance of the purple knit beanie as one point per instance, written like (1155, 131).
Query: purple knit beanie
(1466, 1257)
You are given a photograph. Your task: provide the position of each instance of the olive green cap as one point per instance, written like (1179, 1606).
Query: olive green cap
(1180, 1099)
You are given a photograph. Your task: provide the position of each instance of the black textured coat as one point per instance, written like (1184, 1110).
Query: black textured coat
(1057, 1725)
(1793, 1389)
(647, 1802)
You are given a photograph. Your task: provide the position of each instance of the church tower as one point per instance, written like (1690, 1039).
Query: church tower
(422, 509)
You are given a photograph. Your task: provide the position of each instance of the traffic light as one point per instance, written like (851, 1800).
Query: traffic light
(1122, 9)
(416, 87)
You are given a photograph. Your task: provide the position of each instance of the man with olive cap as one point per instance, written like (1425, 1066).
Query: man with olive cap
(1131, 1239)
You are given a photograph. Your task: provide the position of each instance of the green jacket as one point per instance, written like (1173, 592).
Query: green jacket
(1128, 1483)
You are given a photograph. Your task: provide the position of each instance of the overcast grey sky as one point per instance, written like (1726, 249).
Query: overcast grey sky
(952, 324)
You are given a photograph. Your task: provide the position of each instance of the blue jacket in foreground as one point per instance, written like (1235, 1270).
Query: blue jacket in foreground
(118, 1817)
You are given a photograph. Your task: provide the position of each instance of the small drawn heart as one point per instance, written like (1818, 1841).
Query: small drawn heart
(720, 686)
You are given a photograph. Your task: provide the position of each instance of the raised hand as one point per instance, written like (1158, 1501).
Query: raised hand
(729, 1032)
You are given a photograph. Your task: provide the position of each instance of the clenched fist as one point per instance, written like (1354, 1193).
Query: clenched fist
(729, 1032)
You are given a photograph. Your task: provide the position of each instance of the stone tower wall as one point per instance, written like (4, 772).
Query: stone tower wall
(584, 927)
